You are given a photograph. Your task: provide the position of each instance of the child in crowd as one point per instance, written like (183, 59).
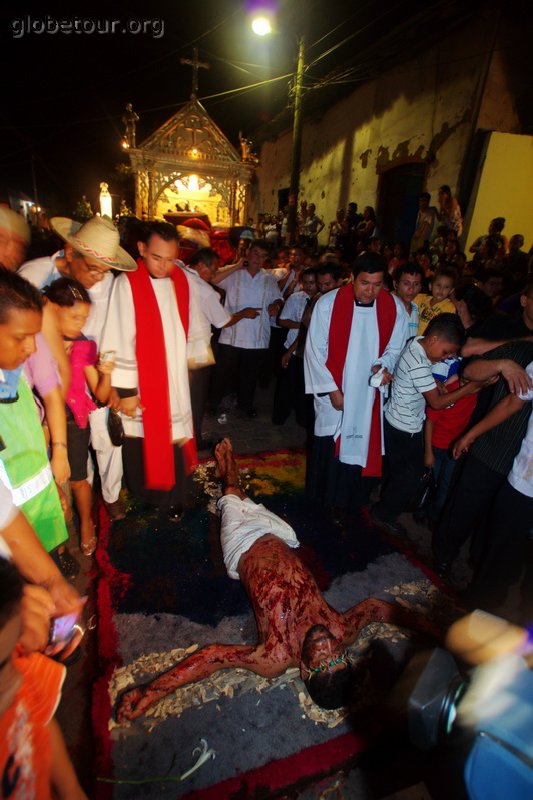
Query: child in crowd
(72, 305)
(290, 386)
(407, 285)
(438, 302)
(399, 257)
(414, 386)
(441, 429)
(33, 757)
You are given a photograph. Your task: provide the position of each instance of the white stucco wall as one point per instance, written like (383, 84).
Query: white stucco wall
(422, 110)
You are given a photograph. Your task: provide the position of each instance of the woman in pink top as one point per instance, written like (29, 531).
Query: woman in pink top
(89, 378)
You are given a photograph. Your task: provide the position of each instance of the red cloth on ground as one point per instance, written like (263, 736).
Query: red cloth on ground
(153, 375)
(449, 423)
(339, 337)
(25, 744)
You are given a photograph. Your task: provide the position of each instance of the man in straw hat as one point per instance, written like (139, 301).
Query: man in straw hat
(14, 238)
(90, 252)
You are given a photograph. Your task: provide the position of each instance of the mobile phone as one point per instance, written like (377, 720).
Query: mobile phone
(62, 628)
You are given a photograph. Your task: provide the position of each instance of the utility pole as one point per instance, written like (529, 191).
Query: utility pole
(292, 220)
(34, 180)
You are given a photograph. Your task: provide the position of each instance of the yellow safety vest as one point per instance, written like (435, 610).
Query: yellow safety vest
(25, 469)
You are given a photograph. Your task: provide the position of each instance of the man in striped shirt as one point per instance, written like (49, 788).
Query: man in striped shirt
(414, 386)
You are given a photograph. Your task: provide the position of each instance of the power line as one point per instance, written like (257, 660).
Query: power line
(340, 25)
(354, 34)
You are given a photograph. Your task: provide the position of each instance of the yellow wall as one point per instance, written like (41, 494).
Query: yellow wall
(505, 188)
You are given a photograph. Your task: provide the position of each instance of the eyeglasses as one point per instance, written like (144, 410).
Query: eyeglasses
(94, 270)
(90, 267)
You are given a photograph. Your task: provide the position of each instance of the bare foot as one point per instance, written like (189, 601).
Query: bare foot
(220, 458)
(227, 468)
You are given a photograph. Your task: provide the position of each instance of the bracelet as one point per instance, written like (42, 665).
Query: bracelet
(59, 444)
(79, 629)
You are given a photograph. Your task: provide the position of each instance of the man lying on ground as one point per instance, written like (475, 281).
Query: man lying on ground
(296, 626)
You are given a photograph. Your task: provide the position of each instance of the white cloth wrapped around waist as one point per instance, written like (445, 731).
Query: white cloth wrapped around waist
(243, 523)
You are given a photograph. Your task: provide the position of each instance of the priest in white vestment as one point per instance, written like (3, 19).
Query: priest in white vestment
(355, 338)
(150, 321)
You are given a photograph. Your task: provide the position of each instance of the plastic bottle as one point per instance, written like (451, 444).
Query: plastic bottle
(480, 637)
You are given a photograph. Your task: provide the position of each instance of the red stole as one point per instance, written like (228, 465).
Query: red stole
(339, 337)
(159, 471)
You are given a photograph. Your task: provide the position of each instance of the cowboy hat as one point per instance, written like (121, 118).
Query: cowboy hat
(97, 238)
(14, 223)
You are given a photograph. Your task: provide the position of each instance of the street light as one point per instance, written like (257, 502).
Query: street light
(261, 26)
(261, 14)
(292, 217)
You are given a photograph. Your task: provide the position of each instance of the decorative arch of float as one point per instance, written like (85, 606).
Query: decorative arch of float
(188, 161)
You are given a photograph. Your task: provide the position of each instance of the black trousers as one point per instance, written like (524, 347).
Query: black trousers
(132, 457)
(290, 394)
(199, 382)
(331, 483)
(467, 510)
(237, 370)
(501, 565)
(405, 466)
(271, 366)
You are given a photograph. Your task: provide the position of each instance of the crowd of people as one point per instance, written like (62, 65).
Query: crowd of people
(396, 359)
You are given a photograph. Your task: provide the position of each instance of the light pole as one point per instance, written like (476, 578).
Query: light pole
(261, 26)
(292, 221)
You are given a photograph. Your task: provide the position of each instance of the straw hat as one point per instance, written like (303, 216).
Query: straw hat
(14, 223)
(97, 238)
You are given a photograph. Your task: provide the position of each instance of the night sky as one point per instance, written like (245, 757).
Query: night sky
(64, 94)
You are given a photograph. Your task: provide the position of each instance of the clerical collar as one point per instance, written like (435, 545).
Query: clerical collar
(364, 305)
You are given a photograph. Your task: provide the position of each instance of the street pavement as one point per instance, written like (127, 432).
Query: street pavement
(257, 434)
(74, 712)
(249, 435)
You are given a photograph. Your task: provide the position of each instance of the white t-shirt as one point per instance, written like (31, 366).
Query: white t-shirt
(521, 474)
(406, 409)
(412, 319)
(210, 309)
(293, 309)
(246, 291)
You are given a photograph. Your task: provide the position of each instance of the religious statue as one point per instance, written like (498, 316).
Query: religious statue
(106, 201)
(246, 149)
(130, 119)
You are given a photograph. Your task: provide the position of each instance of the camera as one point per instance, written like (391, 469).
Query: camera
(488, 709)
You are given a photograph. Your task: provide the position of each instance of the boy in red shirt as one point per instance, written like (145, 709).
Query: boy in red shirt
(33, 756)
